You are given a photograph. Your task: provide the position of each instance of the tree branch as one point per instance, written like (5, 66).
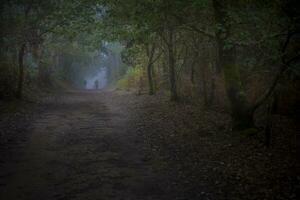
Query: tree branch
(285, 65)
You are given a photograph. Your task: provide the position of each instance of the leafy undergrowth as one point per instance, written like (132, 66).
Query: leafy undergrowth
(130, 81)
(206, 160)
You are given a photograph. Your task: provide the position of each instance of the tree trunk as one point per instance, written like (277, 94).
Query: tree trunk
(150, 78)
(150, 49)
(192, 77)
(37, 55)
(172, 63)
(19, 94)
(212, 85)
(212, 91)
(204, 85)
(154, 79)
(240, 109)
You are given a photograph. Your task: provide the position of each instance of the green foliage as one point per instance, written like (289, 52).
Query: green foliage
(131, 79)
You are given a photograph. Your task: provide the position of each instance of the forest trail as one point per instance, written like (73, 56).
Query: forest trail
(88, 145)
(83, 147)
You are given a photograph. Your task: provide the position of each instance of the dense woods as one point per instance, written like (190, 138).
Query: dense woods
(239, 57)
(235, 54)
(212, 50)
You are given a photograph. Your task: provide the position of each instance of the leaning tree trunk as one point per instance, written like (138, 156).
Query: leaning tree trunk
(19, 94)
(240, 109)
(150, 53)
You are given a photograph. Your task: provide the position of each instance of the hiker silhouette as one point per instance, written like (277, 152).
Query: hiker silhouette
(96, 84)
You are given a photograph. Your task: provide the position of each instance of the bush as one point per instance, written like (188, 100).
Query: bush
(131, 79)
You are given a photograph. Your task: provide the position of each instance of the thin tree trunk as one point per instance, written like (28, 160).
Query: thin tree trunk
(172, 63)
(204, 85)
(19, 94)
(212, 84)
(150, 53)
(212, 91)
(37, 56)
(150, 78)
(268, 128)
(192, 74)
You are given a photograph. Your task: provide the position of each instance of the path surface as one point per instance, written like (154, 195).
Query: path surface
(83, 147)
(120, 146)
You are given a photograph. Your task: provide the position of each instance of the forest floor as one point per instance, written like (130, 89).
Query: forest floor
(83, 145)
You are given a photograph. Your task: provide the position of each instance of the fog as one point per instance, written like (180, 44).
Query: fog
(100, 76)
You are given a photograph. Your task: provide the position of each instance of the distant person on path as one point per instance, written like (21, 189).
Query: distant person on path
(96, 84)
(85, 83)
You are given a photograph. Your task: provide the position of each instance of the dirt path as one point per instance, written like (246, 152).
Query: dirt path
(83, 147)
(119, 146)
